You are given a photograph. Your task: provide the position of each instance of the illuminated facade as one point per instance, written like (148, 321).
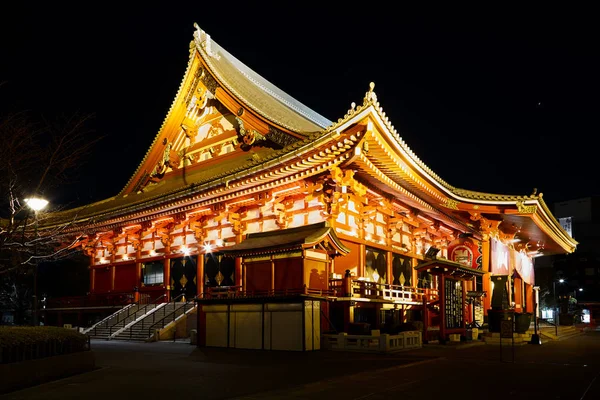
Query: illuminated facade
(341, 212)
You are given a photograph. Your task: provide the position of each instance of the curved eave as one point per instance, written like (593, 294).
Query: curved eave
(391, 156)
(311, 156)
(329, 236)
(255, 92)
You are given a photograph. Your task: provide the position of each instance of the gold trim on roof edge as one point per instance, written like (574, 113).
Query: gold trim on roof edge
(370, 99)
(307, 120)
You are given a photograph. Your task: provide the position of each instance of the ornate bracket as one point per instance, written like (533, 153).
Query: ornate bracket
(523, 209)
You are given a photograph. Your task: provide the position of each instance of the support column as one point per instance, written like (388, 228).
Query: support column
(273, 275)
(486, 280)
(390, 257)
(112, 277)
(200, 275)
(519, 295)
(361, 260)
(244, 276)
(425, 318)
(92, 279)
(138, 281)
(167, 278)
(238, 272)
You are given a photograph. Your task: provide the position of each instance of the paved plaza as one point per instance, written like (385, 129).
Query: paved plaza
(567, 369)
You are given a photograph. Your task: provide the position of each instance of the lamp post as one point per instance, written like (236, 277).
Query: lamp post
(556, 307)
(36, 204)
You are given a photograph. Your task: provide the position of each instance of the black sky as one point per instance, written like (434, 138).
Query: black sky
(498, 101)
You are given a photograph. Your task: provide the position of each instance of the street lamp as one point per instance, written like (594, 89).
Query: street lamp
(535, 338)
(556, 307)
(36, 204)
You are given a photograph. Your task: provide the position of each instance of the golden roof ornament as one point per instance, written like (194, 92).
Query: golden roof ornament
(203, 40)
(370, 96)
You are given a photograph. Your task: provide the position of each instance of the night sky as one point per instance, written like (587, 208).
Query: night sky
(500, 102)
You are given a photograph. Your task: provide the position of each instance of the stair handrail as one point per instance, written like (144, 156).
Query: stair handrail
(131, 325)
(128, 306)
(117, 313)
(144, 309)
(173, 313)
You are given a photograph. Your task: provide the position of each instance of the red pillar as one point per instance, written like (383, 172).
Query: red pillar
(200, 275)
(113, 270)
(238, 272)
(167, 279)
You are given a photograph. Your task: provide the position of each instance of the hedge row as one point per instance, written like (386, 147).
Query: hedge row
(26, 343)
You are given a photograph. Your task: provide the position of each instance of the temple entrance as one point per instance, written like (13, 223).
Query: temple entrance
(183, 278)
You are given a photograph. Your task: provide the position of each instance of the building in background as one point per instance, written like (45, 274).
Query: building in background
(580, 271)
(281, 222)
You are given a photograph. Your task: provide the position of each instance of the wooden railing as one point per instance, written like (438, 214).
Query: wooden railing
(373, 290)
(337, 288)
(383, 343)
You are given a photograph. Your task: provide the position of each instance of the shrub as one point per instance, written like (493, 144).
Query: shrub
(25, 343)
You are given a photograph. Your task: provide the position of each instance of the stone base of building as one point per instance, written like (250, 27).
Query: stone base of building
(494, 338)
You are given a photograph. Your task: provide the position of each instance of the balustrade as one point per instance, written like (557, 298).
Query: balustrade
(373, 290)
(383, 343)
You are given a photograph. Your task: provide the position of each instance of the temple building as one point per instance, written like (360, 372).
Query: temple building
(272, 218)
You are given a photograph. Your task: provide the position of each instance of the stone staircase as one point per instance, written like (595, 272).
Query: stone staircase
(117, 321)
(144, 328)
(545, 333)
(564, 332)
(520, 339)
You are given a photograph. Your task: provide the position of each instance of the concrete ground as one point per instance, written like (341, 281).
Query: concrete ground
(568, 369)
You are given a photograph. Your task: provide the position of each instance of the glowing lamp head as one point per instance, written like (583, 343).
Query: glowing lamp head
(581, 289)
(36, 203)
(561, 280)
(208, 248)
(186, 250)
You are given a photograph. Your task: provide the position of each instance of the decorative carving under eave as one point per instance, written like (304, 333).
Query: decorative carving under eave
(248, 136)
(170, 159)
(198, 226)
(451, 203)
(488, 227)
(209, 82)
(234, 216)
(346, 178)
(475, 216)
(523, 209)
(279, 137)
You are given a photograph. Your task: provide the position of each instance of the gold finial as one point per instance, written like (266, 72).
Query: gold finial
(370, 96)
